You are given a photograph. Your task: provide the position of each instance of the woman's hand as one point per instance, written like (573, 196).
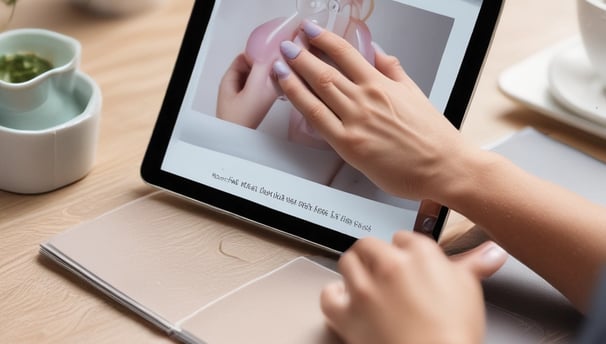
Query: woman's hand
(409, 292)
(382, 124)
(377, 119)
(246, 93)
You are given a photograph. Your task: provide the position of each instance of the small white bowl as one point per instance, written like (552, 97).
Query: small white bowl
(36, 161)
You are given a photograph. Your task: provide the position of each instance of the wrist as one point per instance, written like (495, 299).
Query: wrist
(469, 171)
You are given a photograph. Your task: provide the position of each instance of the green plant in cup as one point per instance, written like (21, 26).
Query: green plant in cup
(21, 67)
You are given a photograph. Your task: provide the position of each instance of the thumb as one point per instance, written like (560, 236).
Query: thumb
(483, 261)
(334, 301)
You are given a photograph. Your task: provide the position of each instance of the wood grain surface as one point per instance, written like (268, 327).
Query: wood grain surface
(131, 58)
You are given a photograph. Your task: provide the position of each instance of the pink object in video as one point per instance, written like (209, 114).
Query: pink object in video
(345, 18)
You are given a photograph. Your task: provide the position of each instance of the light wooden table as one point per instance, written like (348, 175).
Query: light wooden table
(131, 58)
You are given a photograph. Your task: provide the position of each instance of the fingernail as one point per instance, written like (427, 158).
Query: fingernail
(377, 47)
(289, 49)
(494, 253)
(281, 69)
(311, 29)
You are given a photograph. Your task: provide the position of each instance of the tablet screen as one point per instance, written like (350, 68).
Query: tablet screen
(226, 137)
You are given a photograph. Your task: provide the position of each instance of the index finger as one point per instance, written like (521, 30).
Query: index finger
(341, 52)
(373, 253)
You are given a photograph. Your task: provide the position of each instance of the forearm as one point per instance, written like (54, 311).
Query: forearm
(557, 233)
(381, 123)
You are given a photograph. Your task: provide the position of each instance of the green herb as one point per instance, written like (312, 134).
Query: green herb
(17, 68)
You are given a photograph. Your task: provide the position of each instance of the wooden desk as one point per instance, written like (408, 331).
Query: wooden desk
(132, 58)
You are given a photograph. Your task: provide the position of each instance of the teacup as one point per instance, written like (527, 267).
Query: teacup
(48, 124)
(63, 52)
(592, 24)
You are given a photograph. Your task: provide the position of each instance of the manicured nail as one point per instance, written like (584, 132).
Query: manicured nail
(281, 69)
(494, 253)
(311, 29)
(289, 49)
(377, 47)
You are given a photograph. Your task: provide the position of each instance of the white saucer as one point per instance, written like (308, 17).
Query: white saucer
(527, 83)
(575, 85)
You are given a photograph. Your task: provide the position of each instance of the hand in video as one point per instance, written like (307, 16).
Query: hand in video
(246, 93)
(377, 119)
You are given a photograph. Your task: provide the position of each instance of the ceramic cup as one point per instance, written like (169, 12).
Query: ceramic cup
(62, 51)
(51, 143)
(592, 25)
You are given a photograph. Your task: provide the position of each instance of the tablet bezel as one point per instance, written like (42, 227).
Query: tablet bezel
(152, 173)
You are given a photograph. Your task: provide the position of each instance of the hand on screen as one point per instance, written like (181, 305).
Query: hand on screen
(409, 292)
(377, 119)
(246, 93)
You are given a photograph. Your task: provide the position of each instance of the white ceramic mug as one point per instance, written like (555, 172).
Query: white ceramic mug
(592, 24)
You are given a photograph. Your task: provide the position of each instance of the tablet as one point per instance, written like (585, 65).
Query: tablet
(256, 158)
